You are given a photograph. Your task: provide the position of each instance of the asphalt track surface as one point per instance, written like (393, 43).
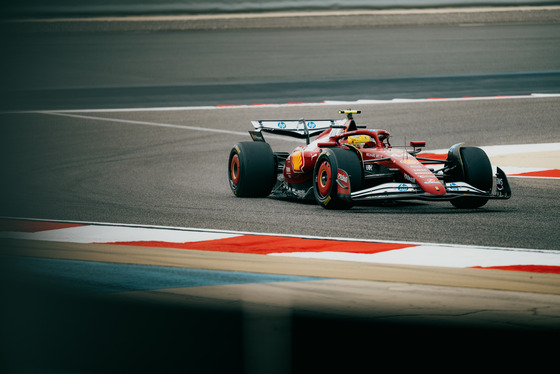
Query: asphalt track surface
(87, 167)
(158, 66)
(168, 167)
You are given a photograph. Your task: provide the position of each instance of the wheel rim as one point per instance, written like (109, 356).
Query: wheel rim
(324, 179)
(234, 170)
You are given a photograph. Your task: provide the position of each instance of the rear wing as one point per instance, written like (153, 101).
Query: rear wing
(303, 129)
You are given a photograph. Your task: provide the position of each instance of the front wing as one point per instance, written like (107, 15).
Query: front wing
(454, 190)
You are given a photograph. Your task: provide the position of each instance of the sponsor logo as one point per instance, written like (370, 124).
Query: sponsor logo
(403, 187)
(343, 182)
(409, 178)
(499, 184)
(342, 177)
(282, 125)
(297, 161)
(335, 132)
(409, 161)
(311, 125)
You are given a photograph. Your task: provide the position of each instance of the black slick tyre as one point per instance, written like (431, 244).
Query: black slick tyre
(325, 175)
(477, 171)
(251, 169)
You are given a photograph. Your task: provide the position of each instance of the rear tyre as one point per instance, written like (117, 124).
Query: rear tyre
(325, 174)
(477, 171)
(251, 169)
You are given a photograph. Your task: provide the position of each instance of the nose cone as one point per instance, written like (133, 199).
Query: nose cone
(419, 173)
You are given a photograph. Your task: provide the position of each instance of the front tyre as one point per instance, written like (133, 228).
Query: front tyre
(325, 174)
(477, 171)
(251, 169)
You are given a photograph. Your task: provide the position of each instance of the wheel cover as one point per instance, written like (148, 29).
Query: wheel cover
(234, 170)
(324, 179)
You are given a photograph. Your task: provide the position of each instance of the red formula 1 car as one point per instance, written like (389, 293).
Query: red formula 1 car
(349, 164)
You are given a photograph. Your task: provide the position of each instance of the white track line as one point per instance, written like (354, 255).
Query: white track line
(144, 123)
(302, 104)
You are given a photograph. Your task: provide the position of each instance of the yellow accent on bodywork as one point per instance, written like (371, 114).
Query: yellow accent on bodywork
(297, 161)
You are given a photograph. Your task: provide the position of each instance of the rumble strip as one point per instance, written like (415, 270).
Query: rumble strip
(372, 251)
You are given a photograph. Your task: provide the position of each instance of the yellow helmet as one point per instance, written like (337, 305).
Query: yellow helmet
(359, 139)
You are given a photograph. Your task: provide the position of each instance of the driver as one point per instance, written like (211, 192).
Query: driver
(361, 141)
